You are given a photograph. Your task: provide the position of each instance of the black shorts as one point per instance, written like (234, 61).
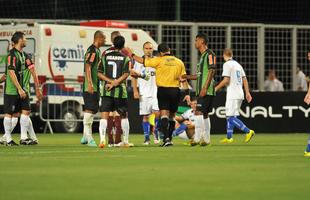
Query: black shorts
(15, 104)
(205, 104)
(168, 98)
(111, 104)
(91, 101)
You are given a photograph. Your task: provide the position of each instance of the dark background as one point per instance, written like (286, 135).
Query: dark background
(255, 11)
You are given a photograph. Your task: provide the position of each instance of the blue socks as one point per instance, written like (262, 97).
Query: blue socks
(230, 129)
(232, 122)
(308, 146)
(156, 128)
(179, 130)
(146, 130)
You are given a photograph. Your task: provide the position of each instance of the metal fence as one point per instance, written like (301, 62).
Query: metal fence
(258, 47)
(62, 105)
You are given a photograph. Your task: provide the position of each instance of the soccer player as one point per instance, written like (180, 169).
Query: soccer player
(147, 93)
(113, 72)
(19, 70)
(186, 129)
(169, 71)
(92, 60)
(114, 121)
(205, 91)
(307, 101)
(234, 78)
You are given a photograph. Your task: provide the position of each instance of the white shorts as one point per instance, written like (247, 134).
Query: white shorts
(148, 105)
(232, 107)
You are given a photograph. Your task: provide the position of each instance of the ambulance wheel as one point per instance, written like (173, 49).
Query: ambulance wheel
(68, 113)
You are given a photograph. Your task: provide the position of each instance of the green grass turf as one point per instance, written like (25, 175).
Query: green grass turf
(271, 166)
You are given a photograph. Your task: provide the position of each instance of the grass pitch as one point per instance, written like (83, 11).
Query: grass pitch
(271, 166)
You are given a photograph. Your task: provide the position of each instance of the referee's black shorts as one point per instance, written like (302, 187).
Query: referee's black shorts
(168, 98)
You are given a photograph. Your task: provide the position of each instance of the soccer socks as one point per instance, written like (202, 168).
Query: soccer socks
(125, 128)
(31, 132)
(118, 129)
(156, 129)
(87, 122)
(110, 129)
(180, 130)
(146, 130)
(24, 126)
(14, 122)
(207, 124)
(7, 123)
(239, 124)
(171, 128)
(103, 129)
(199, 128)
(229, 129)
(308, 146)
(164, 126)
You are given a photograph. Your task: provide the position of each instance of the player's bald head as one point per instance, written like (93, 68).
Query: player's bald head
(98, 34)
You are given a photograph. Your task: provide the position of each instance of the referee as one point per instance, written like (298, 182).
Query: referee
(169, 71)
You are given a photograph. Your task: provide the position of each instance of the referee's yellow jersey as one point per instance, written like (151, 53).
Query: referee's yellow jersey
(169, 69)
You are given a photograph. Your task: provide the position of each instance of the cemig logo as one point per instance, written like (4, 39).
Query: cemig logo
(62, 56)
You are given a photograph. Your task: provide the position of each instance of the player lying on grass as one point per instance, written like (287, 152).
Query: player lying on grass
(234, 79)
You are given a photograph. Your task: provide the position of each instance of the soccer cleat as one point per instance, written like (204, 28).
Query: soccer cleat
(25, 141)
(249, 136)
(11, 143)
(92, 143)
(146, 143)
(307, 154)
(203, 144)
(2, 140)
(110, 145)
(167, 143)
(227, 141)
(125, 144)
(84, 140)
(33, 142)
(193, 143)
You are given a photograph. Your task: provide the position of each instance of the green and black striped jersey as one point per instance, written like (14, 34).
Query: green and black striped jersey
(114, 65)
(207, 62)
(21, 63)
(92, 57)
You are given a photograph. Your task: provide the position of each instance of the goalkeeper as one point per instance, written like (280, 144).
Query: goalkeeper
(145, 89)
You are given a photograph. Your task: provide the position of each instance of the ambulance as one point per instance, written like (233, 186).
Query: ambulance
(58, 52)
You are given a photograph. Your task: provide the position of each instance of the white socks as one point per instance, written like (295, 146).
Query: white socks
(7, 123)
(102, 130)
(125, 128)
(88, 122)
(207, 137)
(26, 127)
(199, 128)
